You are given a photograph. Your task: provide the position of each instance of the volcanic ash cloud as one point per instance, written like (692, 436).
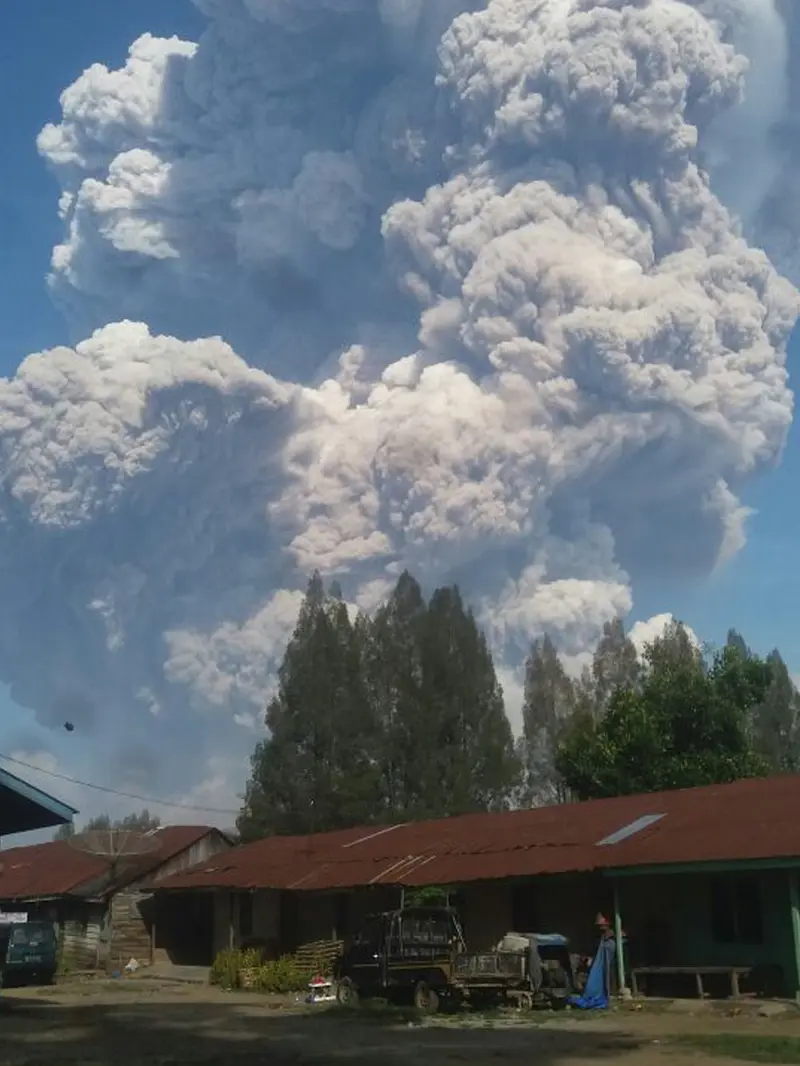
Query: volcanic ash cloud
(484, 314)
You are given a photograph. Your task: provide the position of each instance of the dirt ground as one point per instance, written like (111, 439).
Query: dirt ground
(133, 1022)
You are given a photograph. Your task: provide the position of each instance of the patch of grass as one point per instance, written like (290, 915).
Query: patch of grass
(745, 1046)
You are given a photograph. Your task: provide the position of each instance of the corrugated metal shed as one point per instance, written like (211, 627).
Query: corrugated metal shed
(47, 871)
(748, 820)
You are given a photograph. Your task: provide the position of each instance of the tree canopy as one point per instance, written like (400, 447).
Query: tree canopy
(399, 716)
(684, 722)
(393, 717)
(137, 821)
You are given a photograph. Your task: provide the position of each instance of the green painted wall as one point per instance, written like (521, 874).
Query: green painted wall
(683, 902)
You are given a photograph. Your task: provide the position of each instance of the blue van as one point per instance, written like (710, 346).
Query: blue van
(28, 953)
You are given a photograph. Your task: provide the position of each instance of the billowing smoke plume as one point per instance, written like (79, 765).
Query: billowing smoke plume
(494, 306)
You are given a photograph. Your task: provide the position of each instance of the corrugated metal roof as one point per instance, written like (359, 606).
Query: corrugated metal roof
(45, 871)
(748, 820)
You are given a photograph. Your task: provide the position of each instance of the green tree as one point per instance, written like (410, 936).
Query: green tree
(548, 711)
(392, 648)
(317, 768)
(470, 743)
(776, 720)
(140, 821)
(685, 725)
(615, 664)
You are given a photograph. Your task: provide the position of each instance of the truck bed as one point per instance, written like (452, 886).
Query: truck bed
(490, 968)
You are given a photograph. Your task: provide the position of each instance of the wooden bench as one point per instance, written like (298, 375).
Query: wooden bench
(733, 972)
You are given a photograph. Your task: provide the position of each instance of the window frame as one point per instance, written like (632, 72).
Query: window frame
(736, 910)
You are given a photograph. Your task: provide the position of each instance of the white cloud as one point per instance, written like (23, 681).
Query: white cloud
(562, 360)
(651, 629)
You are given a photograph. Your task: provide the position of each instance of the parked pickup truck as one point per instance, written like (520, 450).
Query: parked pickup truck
(420, 954)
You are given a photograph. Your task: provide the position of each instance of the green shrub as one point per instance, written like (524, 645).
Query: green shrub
(226, 967)
(276, 976)
(250, 959)
(282, 975)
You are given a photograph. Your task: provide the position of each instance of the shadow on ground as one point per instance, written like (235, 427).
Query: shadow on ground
(130, 1032)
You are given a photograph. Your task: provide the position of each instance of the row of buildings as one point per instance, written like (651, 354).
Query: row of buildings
(700, 879)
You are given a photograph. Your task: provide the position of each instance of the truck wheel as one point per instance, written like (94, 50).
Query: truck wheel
(347, 993)
(425, 998)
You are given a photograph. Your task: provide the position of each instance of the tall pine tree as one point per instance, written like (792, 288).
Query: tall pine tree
(547, 713)
(615, 664)
(393, 676)
(473, 763)
(317, 768)
(776, 720)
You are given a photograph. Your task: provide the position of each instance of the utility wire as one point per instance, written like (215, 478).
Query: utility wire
(115, 791)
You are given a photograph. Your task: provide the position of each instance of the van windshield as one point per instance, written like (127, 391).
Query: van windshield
(32, 934)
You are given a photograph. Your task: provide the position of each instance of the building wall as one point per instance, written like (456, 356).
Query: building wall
(135, 914)
(682, 904)
(486, 913)
(362, 902)
(188, 928)
(319, 916)
(570, 905)
(231, 931)
(213, 843)
(567, 905)
(223, 935)
(131, 928)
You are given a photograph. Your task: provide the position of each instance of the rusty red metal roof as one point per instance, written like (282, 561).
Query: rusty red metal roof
(753, 820)
(46, 871)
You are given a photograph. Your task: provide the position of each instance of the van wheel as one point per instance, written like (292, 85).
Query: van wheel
(425, 999)
(347, 993)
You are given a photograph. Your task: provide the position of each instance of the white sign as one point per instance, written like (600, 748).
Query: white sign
(9, 918)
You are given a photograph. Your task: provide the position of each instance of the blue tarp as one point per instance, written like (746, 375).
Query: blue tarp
(550, 939)
(596, 993)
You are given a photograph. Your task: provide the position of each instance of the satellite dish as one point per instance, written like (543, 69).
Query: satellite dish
(118, 847)
(115, 845)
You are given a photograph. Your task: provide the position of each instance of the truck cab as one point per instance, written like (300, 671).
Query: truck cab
(401, 954)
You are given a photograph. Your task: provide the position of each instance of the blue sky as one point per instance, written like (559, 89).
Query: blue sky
(44, 45)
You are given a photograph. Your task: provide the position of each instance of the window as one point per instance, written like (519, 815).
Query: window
(245, 914)
(370, 934)
(736, 916)
(426, 929)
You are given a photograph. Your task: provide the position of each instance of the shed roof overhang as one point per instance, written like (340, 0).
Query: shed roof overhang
(24, 808)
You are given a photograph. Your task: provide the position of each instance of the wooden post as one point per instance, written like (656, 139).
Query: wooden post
(231, 922)
(794, 900)
(618, 941)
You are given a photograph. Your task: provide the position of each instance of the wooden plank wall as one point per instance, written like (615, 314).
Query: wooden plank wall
(81, 945)
(131, 937)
